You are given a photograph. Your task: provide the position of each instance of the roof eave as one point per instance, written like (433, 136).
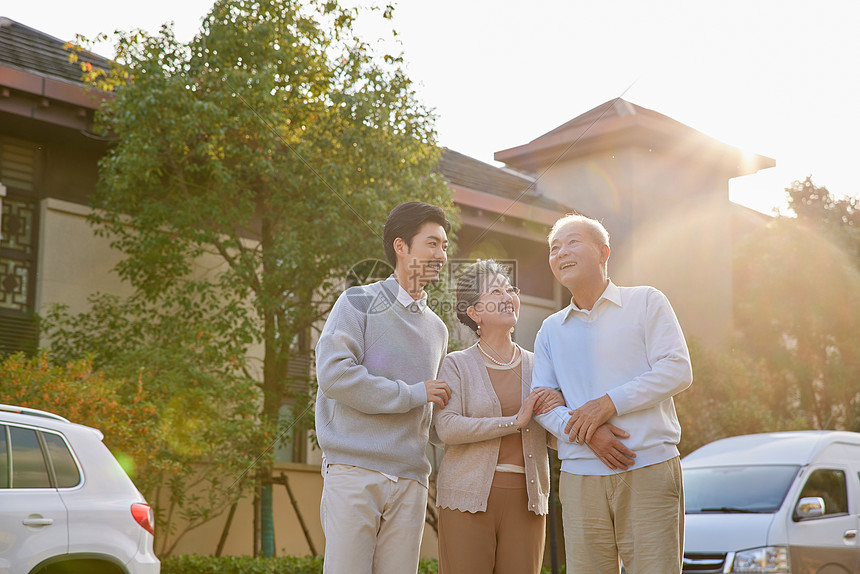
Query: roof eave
(503, 206)
(49, 87)
(631, 130)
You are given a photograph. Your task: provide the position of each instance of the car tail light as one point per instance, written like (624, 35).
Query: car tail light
(142, 513)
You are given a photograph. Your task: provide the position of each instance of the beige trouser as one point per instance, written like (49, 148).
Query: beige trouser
(637, 516)
(506, 539)
(372, 524)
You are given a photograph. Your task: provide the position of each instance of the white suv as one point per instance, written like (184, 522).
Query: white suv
(66, 505)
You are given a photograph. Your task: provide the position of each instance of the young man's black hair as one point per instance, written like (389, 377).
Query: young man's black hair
(406, 220)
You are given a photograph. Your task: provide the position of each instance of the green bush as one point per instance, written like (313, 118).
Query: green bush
(191, 564)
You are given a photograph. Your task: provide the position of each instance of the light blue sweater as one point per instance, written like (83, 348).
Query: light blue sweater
(372, 357)
(629, 346)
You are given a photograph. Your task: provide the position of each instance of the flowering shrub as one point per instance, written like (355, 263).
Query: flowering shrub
(77, 392)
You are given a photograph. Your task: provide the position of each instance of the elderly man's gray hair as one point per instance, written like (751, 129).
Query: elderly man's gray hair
(595, 228)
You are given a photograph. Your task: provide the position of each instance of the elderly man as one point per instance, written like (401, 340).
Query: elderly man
(618, 355)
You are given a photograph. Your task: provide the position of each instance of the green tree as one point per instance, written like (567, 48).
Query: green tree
(174, 374)
(253, 166)
(154, 444)
(83, 395)
(160, 448)
(797, 306)
(816, 207)
(732, 394)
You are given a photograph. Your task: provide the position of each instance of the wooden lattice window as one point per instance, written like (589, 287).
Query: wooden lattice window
(19, 232)
(17, 254)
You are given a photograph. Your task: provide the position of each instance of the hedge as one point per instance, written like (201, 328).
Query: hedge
(191, 564)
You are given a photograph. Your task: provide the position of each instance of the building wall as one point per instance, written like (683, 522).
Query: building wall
(73, 262)
(600, 185)
(532, 313)
(682, 242)
(668, 220)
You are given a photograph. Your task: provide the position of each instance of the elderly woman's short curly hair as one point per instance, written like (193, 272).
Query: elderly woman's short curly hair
(471, 284)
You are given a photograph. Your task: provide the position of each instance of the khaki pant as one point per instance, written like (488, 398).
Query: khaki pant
(635, 516)
(506, 539)
(372, 524)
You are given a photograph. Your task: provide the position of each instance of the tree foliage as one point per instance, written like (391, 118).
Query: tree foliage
(732, 394)
(795, 360)
(159, 438)
(816, 207)
(85, 396)
(174, 376)
(252, 167)
(797, 306)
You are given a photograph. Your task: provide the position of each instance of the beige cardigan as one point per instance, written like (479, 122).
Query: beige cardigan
(471, 426)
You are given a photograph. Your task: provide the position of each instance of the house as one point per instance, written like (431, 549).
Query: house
(660, 187)
(48, 165)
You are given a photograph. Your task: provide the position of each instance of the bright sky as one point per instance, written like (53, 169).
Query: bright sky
(777, 77)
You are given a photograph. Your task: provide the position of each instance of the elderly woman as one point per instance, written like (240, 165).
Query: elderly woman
(493, 484)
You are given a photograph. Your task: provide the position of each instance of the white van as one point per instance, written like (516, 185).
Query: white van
(777, 503)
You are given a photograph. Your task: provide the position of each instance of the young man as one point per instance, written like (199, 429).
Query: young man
(377, 360)
(618, 355)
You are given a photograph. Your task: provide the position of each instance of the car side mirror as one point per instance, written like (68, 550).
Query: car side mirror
(809, 507)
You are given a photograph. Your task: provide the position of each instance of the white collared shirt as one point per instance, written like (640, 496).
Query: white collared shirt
(405, 299)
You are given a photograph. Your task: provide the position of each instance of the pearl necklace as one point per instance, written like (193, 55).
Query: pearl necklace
(500, 363)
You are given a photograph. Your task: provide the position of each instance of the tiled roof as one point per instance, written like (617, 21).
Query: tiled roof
(618, 124)
(27, 49)
(464, 171)
(617, 108)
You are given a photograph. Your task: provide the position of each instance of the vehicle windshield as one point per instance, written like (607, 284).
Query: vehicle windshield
(736, 489)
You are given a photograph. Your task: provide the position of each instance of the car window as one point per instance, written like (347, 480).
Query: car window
(65, 468)
(4, 459)
(29, 469)
(829, 485)
(736, 489)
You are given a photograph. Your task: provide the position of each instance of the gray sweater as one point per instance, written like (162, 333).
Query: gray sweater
(372, 357)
